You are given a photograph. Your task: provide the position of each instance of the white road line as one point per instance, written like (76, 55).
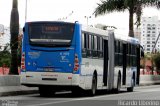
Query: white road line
(50, 103)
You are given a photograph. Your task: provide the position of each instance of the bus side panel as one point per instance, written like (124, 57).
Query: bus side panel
(78, 51)
(23, 71)
(88, 67)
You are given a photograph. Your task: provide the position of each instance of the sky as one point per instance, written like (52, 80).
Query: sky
(74, 10)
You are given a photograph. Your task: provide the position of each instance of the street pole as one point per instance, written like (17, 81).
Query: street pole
(87, 17)
(155, 43)
(26, 11)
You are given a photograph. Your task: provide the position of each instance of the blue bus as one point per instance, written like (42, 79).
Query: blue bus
(69, 56)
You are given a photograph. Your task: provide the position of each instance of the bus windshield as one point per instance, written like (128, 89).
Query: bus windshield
(51, 34)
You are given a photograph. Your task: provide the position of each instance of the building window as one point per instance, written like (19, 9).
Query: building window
(148, 38)
(148, 28)
(148, 35)
(148, 49)
(153, 32)
(153, 28)
(153, 38)
(148, 31)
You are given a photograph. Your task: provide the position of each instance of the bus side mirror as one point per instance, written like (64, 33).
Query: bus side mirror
(23, 29)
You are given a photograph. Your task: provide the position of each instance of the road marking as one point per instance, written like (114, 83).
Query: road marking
(64, 100)
(50, 103)
(88, 98)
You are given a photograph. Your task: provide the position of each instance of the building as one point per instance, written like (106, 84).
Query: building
(4, 37)
(150, 28)
(137, 33)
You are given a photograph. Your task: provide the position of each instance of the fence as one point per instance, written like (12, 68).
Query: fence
(5, 70)
(146, 72)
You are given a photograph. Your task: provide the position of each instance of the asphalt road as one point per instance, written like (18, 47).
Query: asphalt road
(142, 96)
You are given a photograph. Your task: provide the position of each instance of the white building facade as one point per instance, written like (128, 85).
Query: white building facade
(150, 29)
(137, 33)
(4, 37)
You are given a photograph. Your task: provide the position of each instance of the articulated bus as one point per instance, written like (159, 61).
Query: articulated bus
(68, 56)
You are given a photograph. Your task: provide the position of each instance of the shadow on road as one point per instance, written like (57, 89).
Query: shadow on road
(69, 94)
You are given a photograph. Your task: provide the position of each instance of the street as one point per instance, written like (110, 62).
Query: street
(140, 96)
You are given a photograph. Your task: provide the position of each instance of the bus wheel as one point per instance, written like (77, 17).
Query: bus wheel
(130, 89)
(46, 92)
(117, 90)
(94, 86)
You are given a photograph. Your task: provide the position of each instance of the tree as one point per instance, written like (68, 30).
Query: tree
(133, 6)
(156, 59)
(14, 30)
(5, 57)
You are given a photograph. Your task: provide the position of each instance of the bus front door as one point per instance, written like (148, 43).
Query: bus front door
(105, 68)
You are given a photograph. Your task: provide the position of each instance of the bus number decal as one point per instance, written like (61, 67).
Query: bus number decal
(33, 55)
(64, 57)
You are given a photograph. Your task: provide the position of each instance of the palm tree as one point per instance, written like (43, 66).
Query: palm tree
(133, 6)
(14, 30)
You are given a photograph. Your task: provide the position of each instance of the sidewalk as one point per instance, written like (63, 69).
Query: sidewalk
(17, 90)
(10, 85)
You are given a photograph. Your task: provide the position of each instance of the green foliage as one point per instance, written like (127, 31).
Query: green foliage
(19, 52)
(133, 6)
(5, 56)
(156, 59)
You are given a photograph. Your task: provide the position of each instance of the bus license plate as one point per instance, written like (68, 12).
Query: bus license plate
(48, 69)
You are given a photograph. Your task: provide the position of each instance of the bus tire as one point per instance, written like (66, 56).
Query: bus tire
(46, 92)
(117, 90)
(94, 85)
(130, 89)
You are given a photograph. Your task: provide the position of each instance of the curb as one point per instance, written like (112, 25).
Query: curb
(149, 84)
(14, 93)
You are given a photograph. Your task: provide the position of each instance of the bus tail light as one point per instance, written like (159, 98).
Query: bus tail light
(23, 61)
(76, 63)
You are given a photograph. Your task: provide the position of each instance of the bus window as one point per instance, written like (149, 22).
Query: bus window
(98, 43)
(116, 53)
(83, 41)
(50, 34)
(89, 46)
(90, 42)
(84, 44)
(95, 47)
(101, 47)
(120, 54)
(128, 55)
